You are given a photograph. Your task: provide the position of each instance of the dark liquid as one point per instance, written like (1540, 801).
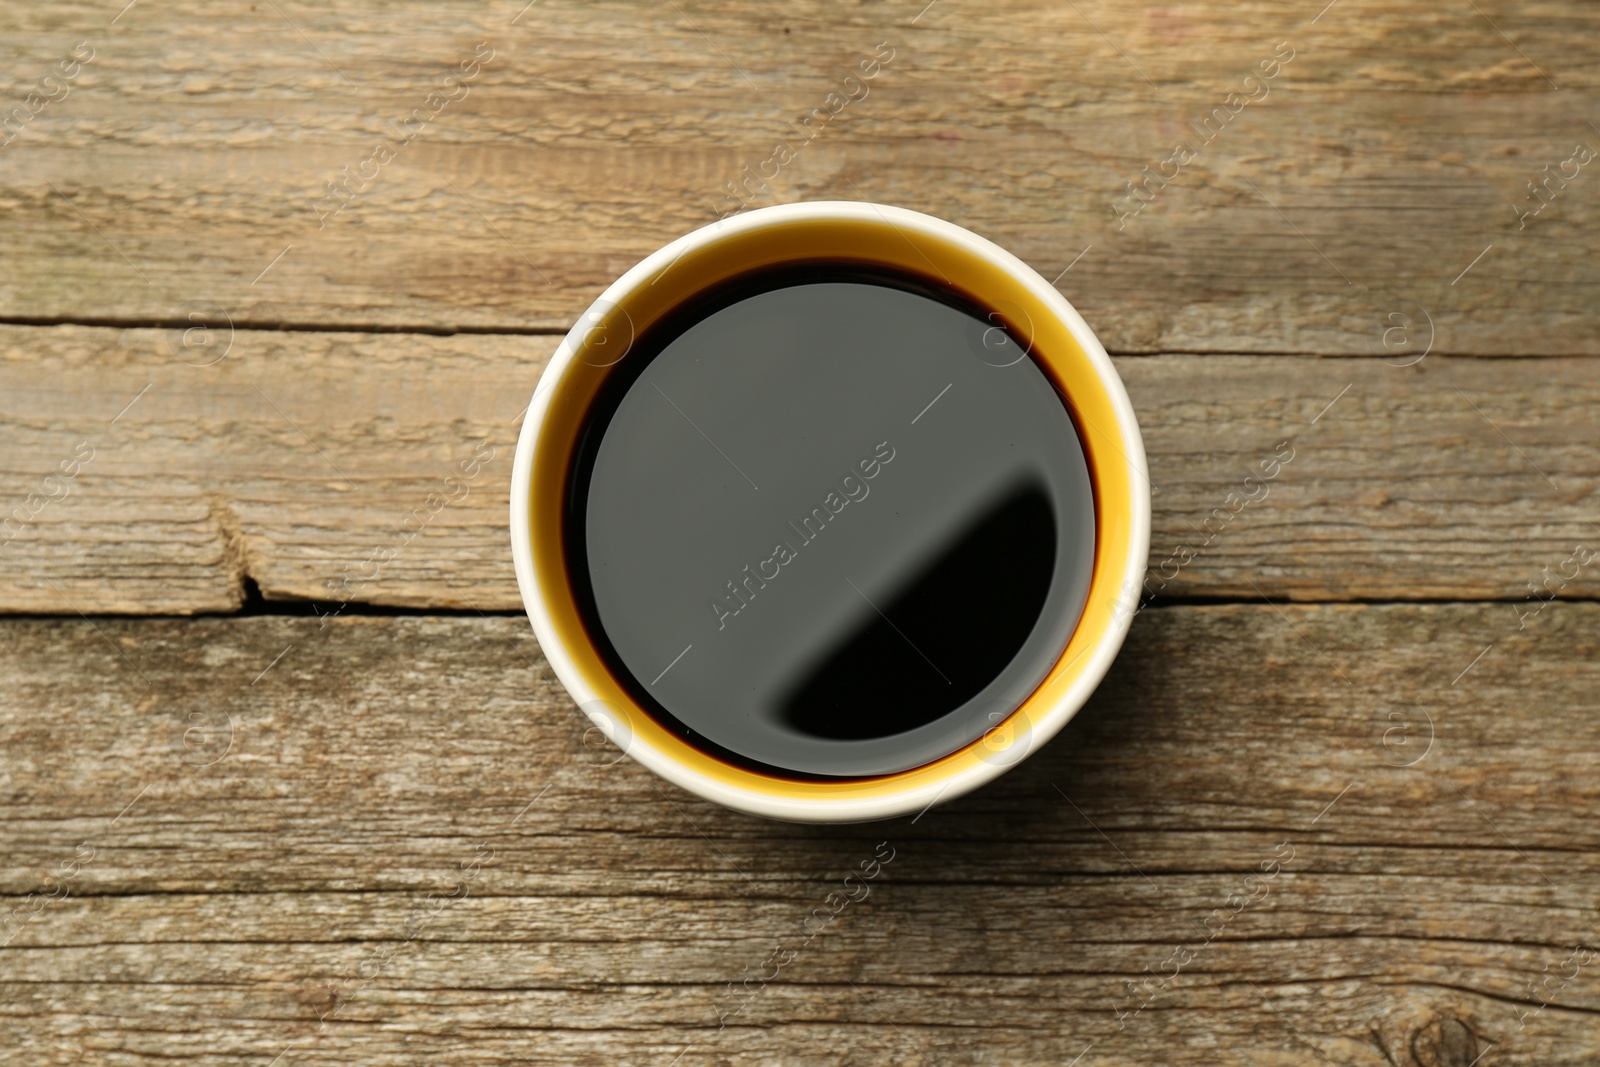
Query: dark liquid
(830, 523)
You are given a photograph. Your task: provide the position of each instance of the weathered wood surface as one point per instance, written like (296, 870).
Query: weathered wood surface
(299, 456)
(294, 461)
(219, 836)
(1385, 158)
(254, 845)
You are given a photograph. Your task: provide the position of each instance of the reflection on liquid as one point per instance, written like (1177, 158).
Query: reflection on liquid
(949, 633)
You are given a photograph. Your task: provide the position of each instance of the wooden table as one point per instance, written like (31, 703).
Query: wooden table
(267, 277)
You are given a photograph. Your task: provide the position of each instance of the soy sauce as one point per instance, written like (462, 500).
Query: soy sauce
(830, 522)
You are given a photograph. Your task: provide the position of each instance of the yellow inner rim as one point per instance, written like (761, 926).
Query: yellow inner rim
(871, 243)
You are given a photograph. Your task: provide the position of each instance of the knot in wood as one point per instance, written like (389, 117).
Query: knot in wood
(1444, 1042)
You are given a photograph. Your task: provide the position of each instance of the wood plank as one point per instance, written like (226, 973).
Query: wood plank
(294, 461)
(260, 843)
(298, 459)
(1389, 154)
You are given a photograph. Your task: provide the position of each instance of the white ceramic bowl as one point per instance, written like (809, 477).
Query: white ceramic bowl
(894, 238)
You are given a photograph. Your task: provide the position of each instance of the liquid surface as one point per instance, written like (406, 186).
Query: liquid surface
(835, 528)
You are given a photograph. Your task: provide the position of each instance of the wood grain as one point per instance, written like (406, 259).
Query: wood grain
(1385, 158)
(299, 457)
(270, 839)
(261, 841)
